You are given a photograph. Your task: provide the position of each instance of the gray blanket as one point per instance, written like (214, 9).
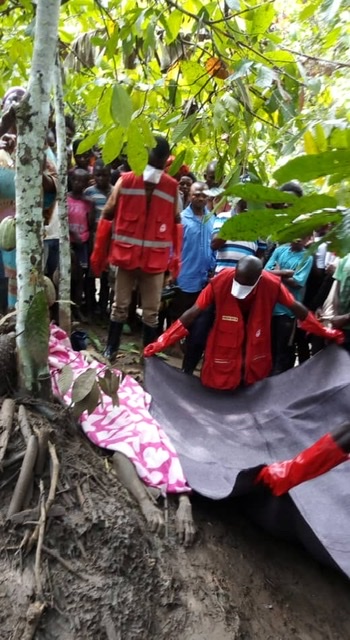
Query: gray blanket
(222, 440)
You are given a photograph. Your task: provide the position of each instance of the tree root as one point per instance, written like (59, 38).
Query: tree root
(25, 477)
(23, 423)
(34, 613)
(6, 423)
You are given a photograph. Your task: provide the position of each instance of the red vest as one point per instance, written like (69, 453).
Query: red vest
(142, 239)
(236, 350)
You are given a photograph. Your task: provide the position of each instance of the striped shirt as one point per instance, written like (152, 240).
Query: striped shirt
(233, 250)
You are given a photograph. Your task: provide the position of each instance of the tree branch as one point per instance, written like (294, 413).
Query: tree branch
(336, 63)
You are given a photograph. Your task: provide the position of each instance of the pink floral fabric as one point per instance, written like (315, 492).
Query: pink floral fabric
(129, 428)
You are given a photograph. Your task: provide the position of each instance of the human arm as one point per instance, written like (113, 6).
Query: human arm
(217, 243)
(109, 208)
(299, 277)
(179, 329)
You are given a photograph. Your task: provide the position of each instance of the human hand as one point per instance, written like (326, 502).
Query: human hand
(8, 142)
(150, 350)
(338, 322)
(286, 273)
(334, 334)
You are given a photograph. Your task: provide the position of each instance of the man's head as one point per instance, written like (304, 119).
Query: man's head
(299, 243)
(79, 181)
(12, 97)
(185, 184)
(102, 174)
(293, 188)
(248, 273)
(209, 174)
(160, 153)
(82, 160)
(198, 198)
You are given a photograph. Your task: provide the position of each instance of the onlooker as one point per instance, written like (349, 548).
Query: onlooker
(145, 214)
(287, 261)
(197, 258)
(229, 252)
(99, 194)
(341, 319)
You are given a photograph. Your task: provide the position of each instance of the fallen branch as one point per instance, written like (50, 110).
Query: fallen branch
(43, 435)
(33, 615)
(32, 515)
(23, 423)
(41, 534)
(52, 492)
(25, 477)
(6, 423)
(67, 565)
(17, 457)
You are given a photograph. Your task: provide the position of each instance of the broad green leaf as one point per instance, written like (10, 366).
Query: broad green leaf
(184, 128)
(314, 202)
(307, 226)
(121, 106)
(265, 77)
(173, 25)
(177, 163)
(309, 143)
(146, 131)
(104, 107)
(262, 18)
(90, 140)
(83, 385)
(320, 137)
(241, 70)
(258, 193)
(252, 225)
(136, 149)
(339, 139)
(65, 379)
(309, 9)
(36, 329)
(305, 168)
(113, 144)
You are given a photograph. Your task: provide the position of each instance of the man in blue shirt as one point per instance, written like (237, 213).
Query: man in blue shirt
(197, 259)
(287, 261)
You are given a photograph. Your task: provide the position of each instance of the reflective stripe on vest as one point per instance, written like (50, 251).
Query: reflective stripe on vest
(141, 192)
(155, 244)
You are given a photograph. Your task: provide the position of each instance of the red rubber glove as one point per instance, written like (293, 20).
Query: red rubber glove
(322, 456)
(312, 325)
(99, 256)
(169, 337)
(175, 261)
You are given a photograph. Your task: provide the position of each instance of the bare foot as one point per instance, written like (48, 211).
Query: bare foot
(185, 527)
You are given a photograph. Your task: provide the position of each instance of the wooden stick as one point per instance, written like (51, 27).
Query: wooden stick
(41, 525)
(67, 565)
(23, 423)
(6, 423)
(52, 492)
(25, 476)
(56, 511)
(43, 435)
(34, 613)
(17, 457)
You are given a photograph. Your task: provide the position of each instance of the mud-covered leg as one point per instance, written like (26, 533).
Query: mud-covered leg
(127, 475)
(185, 527)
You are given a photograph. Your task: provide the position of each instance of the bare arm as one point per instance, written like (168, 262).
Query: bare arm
(109, 208)
(190, 315)
(299, 310)
(217, 243)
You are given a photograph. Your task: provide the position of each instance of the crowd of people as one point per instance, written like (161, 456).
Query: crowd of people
(153, 241)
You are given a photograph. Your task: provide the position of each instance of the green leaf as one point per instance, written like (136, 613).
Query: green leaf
(177, 163)
(113, 144)
(90, 140)
(121, 106)
(258, 193)
(309, 10)
(320, 138)
(184, 128)
(136, 149)
(146, 131)
(36, 329)
(173, 25)
(65, 379)
(307, 168)
(253, 225)
(83, 385)
(242, 68)
(262, 18)
(307, 226)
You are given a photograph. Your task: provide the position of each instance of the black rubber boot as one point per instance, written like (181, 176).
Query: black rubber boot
(149, 334)
(113, 341)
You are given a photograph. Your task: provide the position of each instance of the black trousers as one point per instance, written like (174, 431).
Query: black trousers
(282, 343)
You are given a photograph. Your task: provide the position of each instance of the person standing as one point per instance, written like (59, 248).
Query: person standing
(197, 258)
(289, 263)
(144, 211)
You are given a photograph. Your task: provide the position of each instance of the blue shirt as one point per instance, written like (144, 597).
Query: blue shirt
(99, 199)
(284, 258)
(197, 257)
(233, 250)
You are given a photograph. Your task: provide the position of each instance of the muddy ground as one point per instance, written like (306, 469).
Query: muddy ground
(121, 583)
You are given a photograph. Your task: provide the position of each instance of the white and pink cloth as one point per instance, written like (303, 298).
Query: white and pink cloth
(129, 428)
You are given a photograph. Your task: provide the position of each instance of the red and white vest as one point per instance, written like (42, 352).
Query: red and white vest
(239, 351)
(142, 239)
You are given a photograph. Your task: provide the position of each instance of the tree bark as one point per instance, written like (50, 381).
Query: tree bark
(65, 259)
(32, 120)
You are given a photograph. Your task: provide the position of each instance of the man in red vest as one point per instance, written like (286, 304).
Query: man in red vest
(146, 241)
(238, 349)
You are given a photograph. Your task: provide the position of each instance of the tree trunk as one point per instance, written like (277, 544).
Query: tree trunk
(32, 118)
(65, 259)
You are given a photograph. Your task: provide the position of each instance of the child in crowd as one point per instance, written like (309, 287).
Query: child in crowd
(99, 194)
(81, 218)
